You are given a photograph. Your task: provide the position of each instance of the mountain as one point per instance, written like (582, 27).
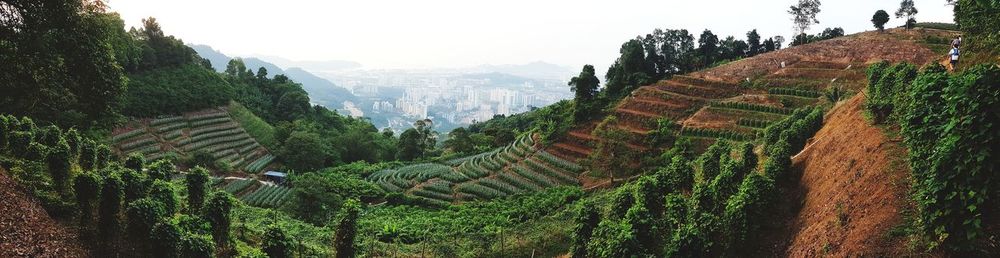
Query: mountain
(536, 70)
(321, 91)
(218, 59)
(318, 66)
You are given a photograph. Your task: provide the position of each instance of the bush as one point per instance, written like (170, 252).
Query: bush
(344, 241)
(111, 203)
(163, 192)
(165, 239)
(196, 181)
(135, 161)
(142, 215)
(86, 187)
(218, 213)
(677, 176)
(276, 243)
(197, 246)
(586, 221)
(613, 238)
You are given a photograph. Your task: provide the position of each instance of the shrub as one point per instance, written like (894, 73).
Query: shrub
(165, 239)
(163, 192)
(142, 215)
(677, 176)
(586, 221)
(197, 246)
(88, 154)
(135, 161)
(86, 187)
(162, 169)
(196, 184)
(218, 213)
(59, 165)
(612, 238)
(111, 203)
(346, 230)
(747, 210)
(276, 243)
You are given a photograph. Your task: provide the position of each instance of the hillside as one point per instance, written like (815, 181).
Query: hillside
(852, 192)
(27, 230)
(738, 99)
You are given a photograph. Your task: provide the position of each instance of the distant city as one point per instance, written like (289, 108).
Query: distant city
(396, 98)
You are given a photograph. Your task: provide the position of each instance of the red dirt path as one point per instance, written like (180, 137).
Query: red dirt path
(26, 230)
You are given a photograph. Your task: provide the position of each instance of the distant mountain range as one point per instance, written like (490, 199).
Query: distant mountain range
(321, 91)
(534, 70)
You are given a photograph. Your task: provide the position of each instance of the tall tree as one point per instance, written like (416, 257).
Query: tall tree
(460, 141)
(804, 15)
(708, 48)
(908, 10)
(585, 87)
(879, 19)
(629, 71)
(753, 43)
(197, 182)
(346, 230)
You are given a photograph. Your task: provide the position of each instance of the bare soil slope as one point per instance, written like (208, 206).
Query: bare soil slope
(26, 230)
(853, 187)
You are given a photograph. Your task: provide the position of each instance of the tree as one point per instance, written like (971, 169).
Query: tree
(165, 239)
(460, 141)
(630, 70)
(879, 19)
(87, 188)
(409, 145)
(708, 48)
(218, 213)
(104, 156)
(304, 151)
(585, 88)
(804, 15)
(753, 43)
(908, 10)
(163, 192)
(197, 180)
(196, 246)
(59, 165)
(276, 243)
(162, 169)
(135, 162)
(346, 230)
(142, 215)
(292, 105)
(111, 205)
(318, 196)
(586, 220)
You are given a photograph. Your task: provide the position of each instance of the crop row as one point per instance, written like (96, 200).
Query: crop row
(170, 127)
(536, 178)
(165, 120)
(459, 161)
(267, 196)
(559, 162)
(794, 92)
(238, 185)
(232, 131)
(126, 135)
(218, 149)
(712, 133)
(208, 116)
(260, 163)
(212, 128)
(563, 178)
(480, 191)
(433, 195)
(173, 135)
(755, 123)
(500, 186)
(212, 121)
(518, 182)
(439, 186)
(209, 142)
(138, 143)
(753, 107)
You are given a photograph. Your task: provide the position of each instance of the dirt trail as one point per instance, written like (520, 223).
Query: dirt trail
(853, 187)
(26, 230)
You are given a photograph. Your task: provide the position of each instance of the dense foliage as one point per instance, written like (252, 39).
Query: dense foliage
(948, 122)
(979, 20)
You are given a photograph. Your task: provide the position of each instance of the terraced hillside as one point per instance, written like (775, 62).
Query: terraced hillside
(517, 168)
(736, 101)
(213, 131)
(254, 192)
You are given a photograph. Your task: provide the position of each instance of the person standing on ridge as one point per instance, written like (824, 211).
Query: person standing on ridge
(957, 42)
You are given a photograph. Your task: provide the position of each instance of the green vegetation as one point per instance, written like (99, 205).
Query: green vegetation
(879, 19)
(948, 123)
(259, 129)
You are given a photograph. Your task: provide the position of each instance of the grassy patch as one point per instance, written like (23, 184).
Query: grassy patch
(254, 125)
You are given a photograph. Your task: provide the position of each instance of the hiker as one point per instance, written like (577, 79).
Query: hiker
(957, 42)
(954, 57)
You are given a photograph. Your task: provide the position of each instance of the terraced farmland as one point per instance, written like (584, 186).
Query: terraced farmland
(212, 131)
(517, 168)
(706, 109)
(254, 192)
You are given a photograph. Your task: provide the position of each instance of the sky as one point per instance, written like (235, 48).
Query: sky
(408, 34)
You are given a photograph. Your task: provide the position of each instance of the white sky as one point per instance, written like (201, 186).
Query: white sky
(458, 33)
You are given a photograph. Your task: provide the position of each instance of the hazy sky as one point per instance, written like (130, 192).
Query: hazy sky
(458, 33)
